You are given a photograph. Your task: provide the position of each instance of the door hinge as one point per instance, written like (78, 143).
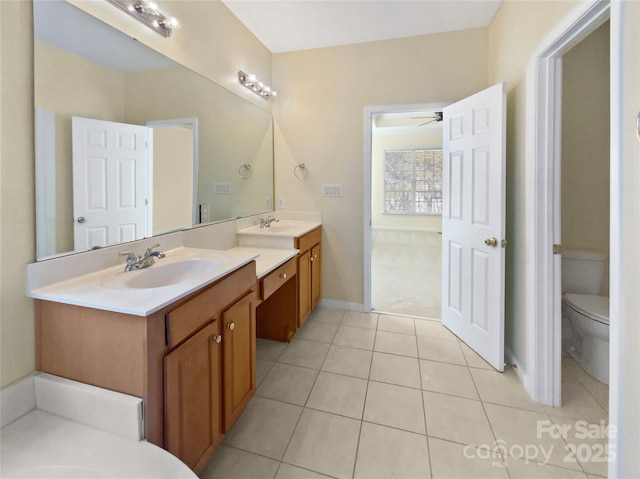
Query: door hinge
(557, 249)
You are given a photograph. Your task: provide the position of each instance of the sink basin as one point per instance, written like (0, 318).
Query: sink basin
(165, 272)
(282, 228)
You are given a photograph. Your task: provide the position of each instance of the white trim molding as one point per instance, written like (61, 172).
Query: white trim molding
(543, 106)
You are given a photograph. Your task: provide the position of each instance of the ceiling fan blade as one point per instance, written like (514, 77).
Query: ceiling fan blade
(427, 122)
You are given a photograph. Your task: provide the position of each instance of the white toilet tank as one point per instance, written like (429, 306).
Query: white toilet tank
(585, 271)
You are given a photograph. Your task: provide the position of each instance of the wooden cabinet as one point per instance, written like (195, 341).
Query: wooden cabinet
(192, 362)
(239, 346)
(276, 315)
(309, 273)
(193, 397)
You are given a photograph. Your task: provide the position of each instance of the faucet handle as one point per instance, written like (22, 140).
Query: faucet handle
(150, 248)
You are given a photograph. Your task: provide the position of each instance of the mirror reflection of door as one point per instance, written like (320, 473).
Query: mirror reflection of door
(109, 182)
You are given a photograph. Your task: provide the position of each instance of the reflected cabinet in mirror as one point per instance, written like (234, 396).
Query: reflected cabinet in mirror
(130, 144)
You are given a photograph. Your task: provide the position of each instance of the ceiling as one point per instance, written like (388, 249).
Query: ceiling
(290, 25)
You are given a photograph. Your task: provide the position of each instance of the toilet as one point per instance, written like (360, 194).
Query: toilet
(585, 309)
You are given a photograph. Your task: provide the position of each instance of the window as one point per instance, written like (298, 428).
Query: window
(413, 181)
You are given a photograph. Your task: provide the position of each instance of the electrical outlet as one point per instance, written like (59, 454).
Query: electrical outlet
(280, 203)
(222, 188)
(204, 213)
(332, 190)
(268, 203)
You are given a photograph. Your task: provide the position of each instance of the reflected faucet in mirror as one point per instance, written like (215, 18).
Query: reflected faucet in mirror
(266, 222)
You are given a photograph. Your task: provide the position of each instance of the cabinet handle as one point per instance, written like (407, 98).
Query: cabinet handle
(312, 258)
(316, 256)
(231, 326)
(284, 275)
(218, 339)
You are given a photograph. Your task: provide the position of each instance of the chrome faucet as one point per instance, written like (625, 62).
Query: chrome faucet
(266, 222)
(142, 261)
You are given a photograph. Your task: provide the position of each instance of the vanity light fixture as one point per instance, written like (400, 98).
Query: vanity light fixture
(250, 81)
(149, 14)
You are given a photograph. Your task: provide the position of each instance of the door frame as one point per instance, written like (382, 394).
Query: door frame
(369, 113)
(193, 124)
(542, 199)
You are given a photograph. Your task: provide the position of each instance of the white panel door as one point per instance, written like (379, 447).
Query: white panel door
(109, 182)
(473, 222)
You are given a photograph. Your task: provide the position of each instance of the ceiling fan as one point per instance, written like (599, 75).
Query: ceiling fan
(436, 117)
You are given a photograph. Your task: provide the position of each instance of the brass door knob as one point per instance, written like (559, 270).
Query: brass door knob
(491, 242)
(231, 326)
(218, 339)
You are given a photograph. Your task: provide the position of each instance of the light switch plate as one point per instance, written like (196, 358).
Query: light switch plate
(332, 190)
(222, 188)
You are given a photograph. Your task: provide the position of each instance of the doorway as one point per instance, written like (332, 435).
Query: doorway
(406, 209)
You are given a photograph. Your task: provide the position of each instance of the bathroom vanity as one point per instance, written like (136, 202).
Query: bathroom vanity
(193, 360)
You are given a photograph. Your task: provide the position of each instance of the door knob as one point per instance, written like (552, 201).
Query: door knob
(218, 339)
(231, 326)
(491, 242)
(81, 219)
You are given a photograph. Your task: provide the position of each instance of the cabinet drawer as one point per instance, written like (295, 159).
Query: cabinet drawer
(183, 321)
(309, 240)
(270, 283)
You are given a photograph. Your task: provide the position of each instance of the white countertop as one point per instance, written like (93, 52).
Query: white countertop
(90, 291)
(268, 258)
(284, 228)
(42, 445)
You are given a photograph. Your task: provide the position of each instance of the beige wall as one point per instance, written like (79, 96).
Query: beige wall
(319, 121)
(428, 139)
(516, 31)
(98, 94)
(585, 143)
(202, 43)
(16, 189)
(172, 178)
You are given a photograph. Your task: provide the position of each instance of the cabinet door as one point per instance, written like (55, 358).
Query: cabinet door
(239, 345)
(316, 275)
(304, 287)
(192, 400)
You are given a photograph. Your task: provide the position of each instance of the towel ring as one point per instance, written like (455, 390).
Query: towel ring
(245, 171)
(301, 171)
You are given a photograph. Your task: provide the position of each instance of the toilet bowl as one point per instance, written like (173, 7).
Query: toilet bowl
(588, 318)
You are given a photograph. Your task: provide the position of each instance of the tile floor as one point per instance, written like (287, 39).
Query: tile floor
(367, 396)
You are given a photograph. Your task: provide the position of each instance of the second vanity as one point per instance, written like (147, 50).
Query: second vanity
(183, 339)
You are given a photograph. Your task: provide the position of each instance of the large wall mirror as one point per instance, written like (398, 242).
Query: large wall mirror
(130, 144)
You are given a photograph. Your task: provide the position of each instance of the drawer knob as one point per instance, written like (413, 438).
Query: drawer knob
(218, 339)
(231, 326)
(312, 258)
(284, 276)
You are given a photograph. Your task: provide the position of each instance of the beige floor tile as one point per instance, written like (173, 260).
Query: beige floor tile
(320, 331)
(457, 419)
(456, 461)
(396, 343)
(473, 359)
(355, 337)
(523, 434)
(396, 324)
(360, 320)
(440, 350)
(262, 369)
(386, 453)
(395, 406)
(578, 403)
(269, 350)
(324, 443)
(400, 370)
(333, 316)
(588, 442)
(233, 463)
(288, 471)
(348, 361)
(447, 378)
(434, 329)
(503, 388)
(598, 390)
(265, 427)
(288, 383)
(308, 354)
(521, 469)
(338, 394)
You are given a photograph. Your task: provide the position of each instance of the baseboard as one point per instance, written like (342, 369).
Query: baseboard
(525, 379)
(17, 399)
(344, 305)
